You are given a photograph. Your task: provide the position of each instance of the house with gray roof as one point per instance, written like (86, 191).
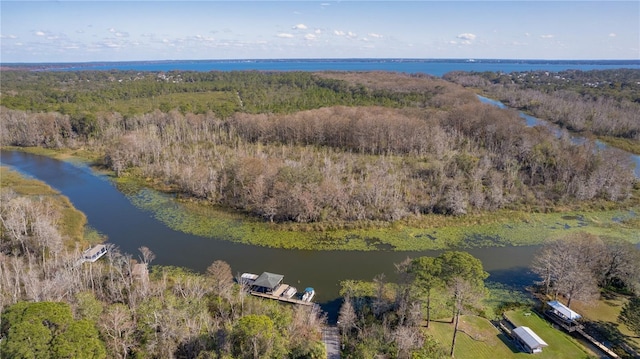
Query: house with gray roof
(267, 282)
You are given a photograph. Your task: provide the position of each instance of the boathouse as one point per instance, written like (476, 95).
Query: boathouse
(563, 316)
(528, 339)
(93, 254)
(267, 282)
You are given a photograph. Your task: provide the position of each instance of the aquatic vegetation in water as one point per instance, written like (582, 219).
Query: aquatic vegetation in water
(533, 228)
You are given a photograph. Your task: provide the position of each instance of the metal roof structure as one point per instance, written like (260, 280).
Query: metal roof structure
(529, 338)
(563, 311)
(268, 280)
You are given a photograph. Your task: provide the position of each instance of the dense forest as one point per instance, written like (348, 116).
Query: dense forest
(603, 103)
(310, 147)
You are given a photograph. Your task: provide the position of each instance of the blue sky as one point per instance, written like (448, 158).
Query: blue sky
(79, 31)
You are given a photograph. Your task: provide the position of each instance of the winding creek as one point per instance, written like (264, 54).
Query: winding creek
(125, 225)
(112, 214)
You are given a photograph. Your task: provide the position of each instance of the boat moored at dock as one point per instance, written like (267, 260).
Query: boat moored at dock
(270, 285)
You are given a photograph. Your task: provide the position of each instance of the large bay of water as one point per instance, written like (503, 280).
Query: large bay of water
(428, 66)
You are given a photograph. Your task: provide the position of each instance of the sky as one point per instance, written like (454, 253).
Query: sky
(83, 31)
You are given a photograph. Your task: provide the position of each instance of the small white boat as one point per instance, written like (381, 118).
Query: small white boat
(308, 294)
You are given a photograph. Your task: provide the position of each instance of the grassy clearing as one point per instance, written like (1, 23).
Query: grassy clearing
(479, 339)
(72, 224)
(604, 315)
(561, 345)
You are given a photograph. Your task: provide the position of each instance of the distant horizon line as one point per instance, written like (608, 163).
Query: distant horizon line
(319, 59)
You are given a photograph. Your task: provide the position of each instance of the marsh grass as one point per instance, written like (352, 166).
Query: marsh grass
(500, 228)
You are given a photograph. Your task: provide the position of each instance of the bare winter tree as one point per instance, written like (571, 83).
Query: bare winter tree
(571, 266)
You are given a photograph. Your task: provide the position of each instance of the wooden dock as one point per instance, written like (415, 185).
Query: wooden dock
(280, 297)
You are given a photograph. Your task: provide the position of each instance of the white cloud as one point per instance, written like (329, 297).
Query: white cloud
(613, 34)
(40, 33)
(310, 37)
(8, 36)
(299, 27)
(467, 36)
(374, 35)
(352, 34)
(338, 32)
(284, 35)
(548, 36)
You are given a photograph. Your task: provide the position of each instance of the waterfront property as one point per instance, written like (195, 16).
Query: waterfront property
(271, 286)
(563, 316)
(94, 253)
(528, 339)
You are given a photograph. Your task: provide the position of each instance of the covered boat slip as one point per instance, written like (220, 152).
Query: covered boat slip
(563, 316)
(270, 285)
(528, 339)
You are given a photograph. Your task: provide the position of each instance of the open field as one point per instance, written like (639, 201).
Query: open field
(561, 345)
(604, 315)
(479, 339)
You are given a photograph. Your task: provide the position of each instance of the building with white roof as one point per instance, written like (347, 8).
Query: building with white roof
(529, 340)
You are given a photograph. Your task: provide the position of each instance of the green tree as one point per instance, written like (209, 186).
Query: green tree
(464, 276)
(47, 330)
(630, 315)
(79, 340)
(255, 336)
(426, 272)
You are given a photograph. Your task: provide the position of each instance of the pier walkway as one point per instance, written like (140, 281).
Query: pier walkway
(331, 339)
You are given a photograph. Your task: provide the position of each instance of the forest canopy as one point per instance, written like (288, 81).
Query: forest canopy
(305, 147)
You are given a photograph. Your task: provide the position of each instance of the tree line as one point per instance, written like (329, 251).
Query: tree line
(580, 265)
(344, 163)
(434, 149)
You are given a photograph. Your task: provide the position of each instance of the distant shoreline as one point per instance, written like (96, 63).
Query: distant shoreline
(44, 66)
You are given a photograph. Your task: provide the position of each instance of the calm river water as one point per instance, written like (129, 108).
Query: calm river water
(111, 213)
